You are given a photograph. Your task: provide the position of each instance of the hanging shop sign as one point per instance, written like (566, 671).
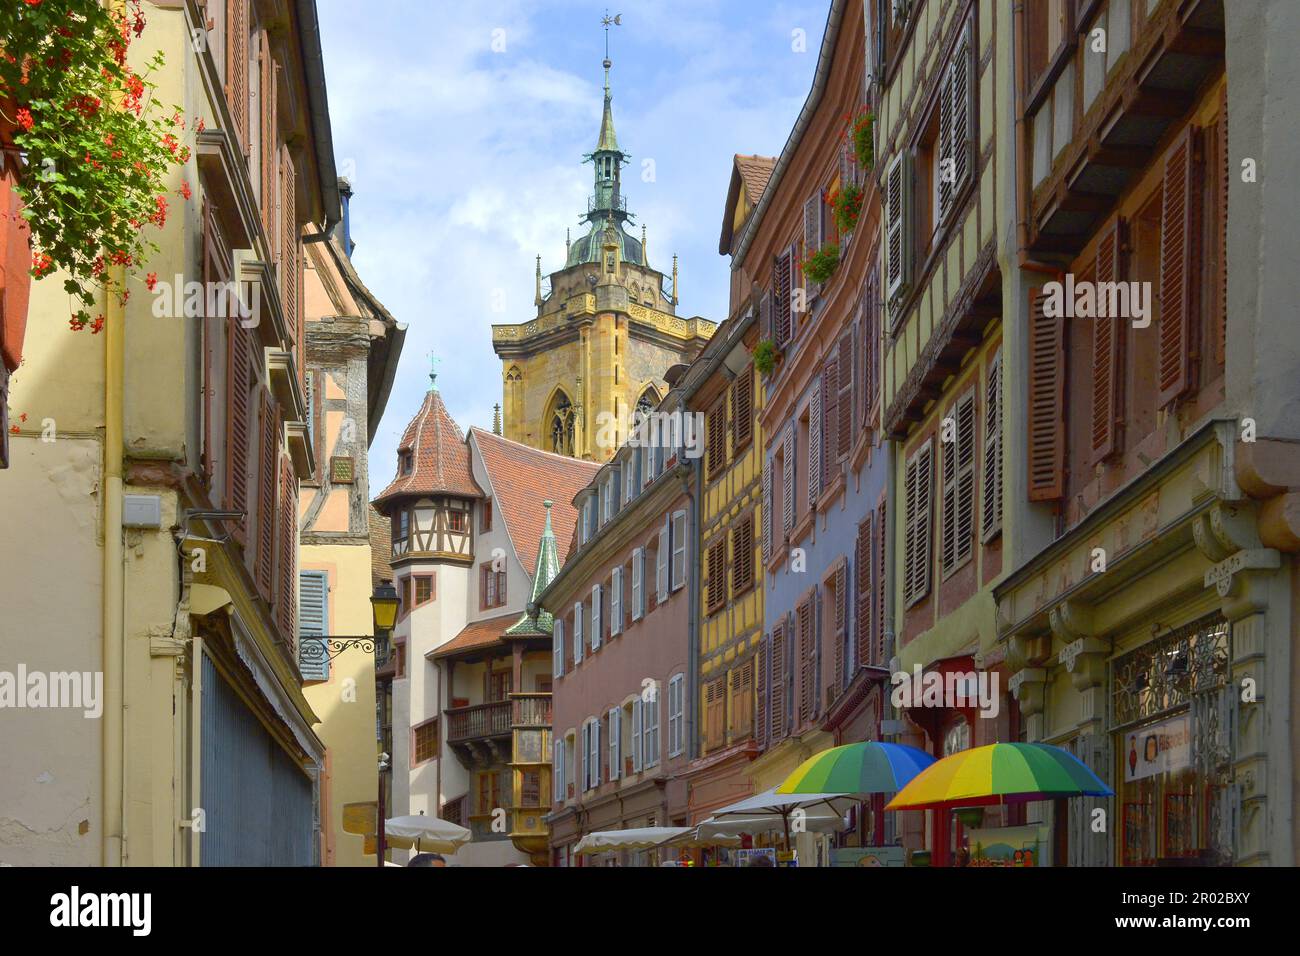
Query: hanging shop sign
(1158, 748)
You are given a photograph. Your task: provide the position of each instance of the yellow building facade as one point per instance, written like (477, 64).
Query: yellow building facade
(605, 334)
(353, 347)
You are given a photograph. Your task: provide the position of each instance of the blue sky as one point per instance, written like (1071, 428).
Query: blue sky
(466, 160)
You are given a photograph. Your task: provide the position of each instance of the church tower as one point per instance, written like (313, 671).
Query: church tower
(606, 329)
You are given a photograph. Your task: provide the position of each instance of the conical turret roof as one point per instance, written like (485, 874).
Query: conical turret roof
(439, 456)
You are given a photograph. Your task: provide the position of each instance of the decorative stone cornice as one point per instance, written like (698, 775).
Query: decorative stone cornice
(1071, 620)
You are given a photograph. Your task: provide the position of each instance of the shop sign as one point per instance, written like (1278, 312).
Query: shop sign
(1158, 748)
(1008, 846)
(867, 856)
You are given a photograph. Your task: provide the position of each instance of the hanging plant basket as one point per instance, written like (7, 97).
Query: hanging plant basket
(847, 203)
(821, 265)
(863, 133)
(766, 357)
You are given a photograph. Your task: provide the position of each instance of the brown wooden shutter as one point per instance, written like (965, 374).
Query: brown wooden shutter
(781, 289)
(742, 421)
(966, 429)
(844, 404)
(787, 479)
(767, 512)
(287, 598)
(270, 137)
(881, 581)
(717, 437)
(1046, 401)
(237, 70)
(267, 463)
(862, 619)
(807, 659)
(1219, 271)
(290, 267)
(762, 660)
(1107, 335)
(742, 554)
(239, 350)
(765, 316)
(919, 523)
(992, 516)
(1179, 267)
(870, 350)
(717, 592)
(776, 687)
(830, 422)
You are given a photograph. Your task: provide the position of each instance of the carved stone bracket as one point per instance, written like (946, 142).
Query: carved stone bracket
(1029, 687)
(1071, 621)
(1085, 660)
(1244, 591)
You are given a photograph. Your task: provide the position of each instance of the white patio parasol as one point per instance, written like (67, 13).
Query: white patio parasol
(425, 834)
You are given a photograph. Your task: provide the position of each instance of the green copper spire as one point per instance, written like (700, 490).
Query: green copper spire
(607, 142)
(535, 619)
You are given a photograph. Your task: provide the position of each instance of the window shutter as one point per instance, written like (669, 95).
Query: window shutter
(269, 140)
(313, 624)
(862, 571)
(776, 685)
(870, 348)
(661, 565)
(992, 510)
(557, 649)
(290, 265)
(959, 78)
(596, 593)
(614, 734)
(959, 484)
(594, 730)
(767, 512)
(1046, 401)
(830, 420)
(841, 619)
(1179, 267)
(807, 660)
(638, 583)
(239, 368)
(814, 472)
(742, 411)
(760, 697)
(1219, 273)
(717, 586)
(264, 567)
(947, 161)
(237, 70)
(716, 424)
(881, 578)
(812, 224)
(742, 554)
(787, 480)
(896, 206)
(586, 756)
(638, 717)
(1107, 336)
(616, 602)
(781, 290)
(765, 317)
(287, 599)
(844, 404)
(679, 549)
(578, 648)
(919, 477)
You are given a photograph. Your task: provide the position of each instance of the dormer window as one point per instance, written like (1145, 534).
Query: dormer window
(405, 462)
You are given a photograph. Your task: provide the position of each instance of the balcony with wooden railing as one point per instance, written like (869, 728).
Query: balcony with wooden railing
(478, 722)
(532, 709)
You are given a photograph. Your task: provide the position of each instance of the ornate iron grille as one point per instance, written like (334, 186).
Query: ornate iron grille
(1164, 674)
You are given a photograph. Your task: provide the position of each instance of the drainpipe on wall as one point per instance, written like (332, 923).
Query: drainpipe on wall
(113, 770)
(887, 561)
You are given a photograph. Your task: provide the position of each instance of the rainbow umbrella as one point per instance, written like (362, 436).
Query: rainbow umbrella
(999, 773)
(868, 767)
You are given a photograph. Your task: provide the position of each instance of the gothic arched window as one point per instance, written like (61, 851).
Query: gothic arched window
(560, 423)
(645, 404)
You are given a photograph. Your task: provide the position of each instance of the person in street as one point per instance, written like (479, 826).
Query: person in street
(427, 859)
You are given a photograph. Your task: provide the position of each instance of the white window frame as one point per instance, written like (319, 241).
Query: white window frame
(679, 550)
(638, 583)
(676, 714)
(578, 612)
(558, 792)
(593, 758)
(616, 601)
(615, 720)
(557, 649)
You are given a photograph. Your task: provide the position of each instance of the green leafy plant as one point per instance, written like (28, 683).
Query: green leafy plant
(863, 140)
(821, 265)
(765, 356)
(847, 204)
(97, 147)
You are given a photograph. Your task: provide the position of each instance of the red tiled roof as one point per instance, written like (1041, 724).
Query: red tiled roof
(478, 635)
(441, 459)
(756, 171)
(522, 478)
